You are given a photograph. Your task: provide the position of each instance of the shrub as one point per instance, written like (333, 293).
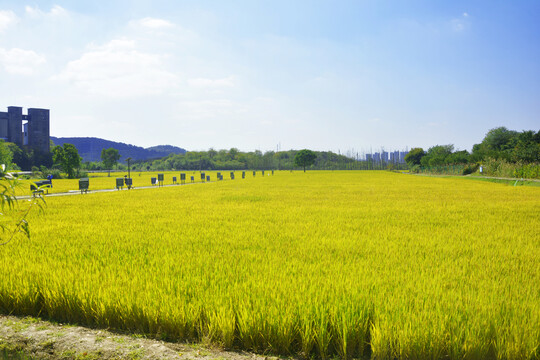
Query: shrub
(469, 169)
(82, 174)
(528, 171)
(54, 172)
(504, 168)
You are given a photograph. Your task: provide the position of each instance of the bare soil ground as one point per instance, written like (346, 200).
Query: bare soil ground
(39, 339)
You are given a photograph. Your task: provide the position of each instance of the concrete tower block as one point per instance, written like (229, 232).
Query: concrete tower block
(38, 129)
(15, 125)
(4, 125)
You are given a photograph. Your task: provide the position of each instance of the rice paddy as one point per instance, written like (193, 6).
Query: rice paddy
(346, 264)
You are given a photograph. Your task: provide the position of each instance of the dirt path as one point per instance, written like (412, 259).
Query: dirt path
(40, 339)
(501, 178)
(78, 192)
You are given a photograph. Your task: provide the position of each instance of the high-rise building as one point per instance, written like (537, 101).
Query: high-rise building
(36, 133)
(384, 156)
(402, 155)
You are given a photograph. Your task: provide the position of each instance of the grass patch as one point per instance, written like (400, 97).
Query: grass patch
(515, 182)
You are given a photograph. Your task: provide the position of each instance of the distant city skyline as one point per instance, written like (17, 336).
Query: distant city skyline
(260, 75)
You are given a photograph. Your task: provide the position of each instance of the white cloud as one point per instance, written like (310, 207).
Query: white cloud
(56, 11)
(7, 18)
(212, 83)
(460, 24)
(162, 33)
(118, 69)
(19, 61)
(154, 23)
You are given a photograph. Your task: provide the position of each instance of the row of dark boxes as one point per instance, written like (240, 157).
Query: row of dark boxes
(183, 177)
(84, 183)
(43, 186)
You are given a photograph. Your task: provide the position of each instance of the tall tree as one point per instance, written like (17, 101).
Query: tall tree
(527, 147)
(68, 158)
(498, 144)
(437, 155)
(109, 158)
(233, 152)
(414, 156)
(305, 158)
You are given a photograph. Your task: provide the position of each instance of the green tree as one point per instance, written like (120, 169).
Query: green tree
(24, 158)
(6, 154)
(414, 156)
(109, 158)
(212, 153)
(437, 155)
(305, 158)
(68, 158)
(527, 147)
(458, 157)
(499, 139)
(497, 144)
(233, 152)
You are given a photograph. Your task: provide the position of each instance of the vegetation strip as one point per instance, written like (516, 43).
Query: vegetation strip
(499, 180)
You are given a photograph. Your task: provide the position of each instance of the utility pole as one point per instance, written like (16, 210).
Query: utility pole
(129, 167)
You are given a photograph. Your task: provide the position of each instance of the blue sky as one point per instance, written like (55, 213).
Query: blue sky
(326, 75)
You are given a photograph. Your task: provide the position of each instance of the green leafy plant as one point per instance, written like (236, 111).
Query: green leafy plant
(469, 169)
(14, 213)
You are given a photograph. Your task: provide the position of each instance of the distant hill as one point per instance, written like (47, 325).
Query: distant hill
(90, 148)
(166, 149)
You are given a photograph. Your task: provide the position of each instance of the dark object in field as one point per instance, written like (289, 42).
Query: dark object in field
(84, 184)
(129, 182)
(38, 187)
(119, 183)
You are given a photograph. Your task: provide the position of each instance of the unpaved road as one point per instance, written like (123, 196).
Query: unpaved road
(78, 192)
(40, 339)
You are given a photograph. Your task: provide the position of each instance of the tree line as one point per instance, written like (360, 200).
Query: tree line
(499, 148)
(65, 161)
(233, 159)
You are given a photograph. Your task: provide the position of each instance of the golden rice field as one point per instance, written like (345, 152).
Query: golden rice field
(323, 264)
